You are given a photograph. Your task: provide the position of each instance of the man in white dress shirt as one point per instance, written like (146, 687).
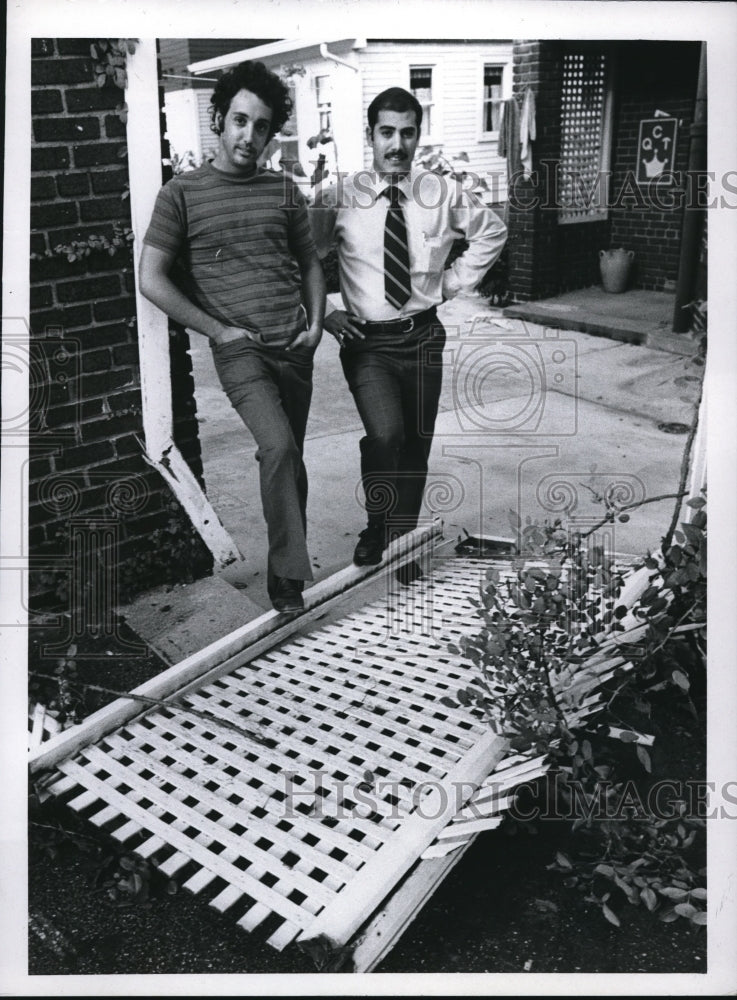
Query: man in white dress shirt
(394, 228)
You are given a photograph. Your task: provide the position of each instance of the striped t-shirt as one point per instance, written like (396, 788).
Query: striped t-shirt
(238, 241)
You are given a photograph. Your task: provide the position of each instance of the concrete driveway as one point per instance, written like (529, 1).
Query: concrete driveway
(531, 420)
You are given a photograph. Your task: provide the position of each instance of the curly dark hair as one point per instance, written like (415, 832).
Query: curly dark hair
(253, 76)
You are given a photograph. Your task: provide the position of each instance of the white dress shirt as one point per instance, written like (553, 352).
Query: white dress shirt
(437, 211)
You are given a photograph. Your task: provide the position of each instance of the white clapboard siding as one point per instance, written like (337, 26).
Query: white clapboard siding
(457, 91)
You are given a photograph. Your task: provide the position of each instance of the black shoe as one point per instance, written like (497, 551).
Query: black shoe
(286, 595)
(370, 548)
(408, 573)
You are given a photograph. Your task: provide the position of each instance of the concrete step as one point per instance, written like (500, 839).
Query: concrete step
(180, 620)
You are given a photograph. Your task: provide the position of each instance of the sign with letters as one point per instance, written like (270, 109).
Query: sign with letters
(656, 148)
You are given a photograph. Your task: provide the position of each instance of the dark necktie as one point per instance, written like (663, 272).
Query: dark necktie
(397, 285)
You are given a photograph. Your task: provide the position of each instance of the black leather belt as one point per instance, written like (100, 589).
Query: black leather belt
(404, 325)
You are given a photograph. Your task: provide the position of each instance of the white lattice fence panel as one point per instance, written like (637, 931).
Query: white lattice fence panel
(255, 797)
(583, 152)
(280, 789)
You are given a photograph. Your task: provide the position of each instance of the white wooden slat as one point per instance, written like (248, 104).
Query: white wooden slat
(191, 816)
(373, 828)
(240, 845)
(352, 673)
(462, 831)
(490, 803)
(376, 725)
(59, 784)
(512, 767)
(390, 674)
(283, 936)
(228, 897)
(318, 735)
(441, 849)
(202, 856)
(271, 783)
(82, 801)
(342, 918)
(257, 828)
(37, 727)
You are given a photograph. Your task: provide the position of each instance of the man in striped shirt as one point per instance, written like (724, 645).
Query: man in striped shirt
(229, 254)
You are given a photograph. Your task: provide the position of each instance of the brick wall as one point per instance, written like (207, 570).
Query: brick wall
(87, 468)
(547, 258)
(655, 76)
(533, 229)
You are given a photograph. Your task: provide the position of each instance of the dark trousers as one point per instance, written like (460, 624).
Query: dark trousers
(271, 391)
(396, 384)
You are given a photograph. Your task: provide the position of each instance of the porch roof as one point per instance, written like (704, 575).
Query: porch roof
(307, 48)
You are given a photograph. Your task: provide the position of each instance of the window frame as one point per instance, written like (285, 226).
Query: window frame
(435, 138)
(505, 64)
(320, 106)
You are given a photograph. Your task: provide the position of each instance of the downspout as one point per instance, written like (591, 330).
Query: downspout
(336, 59)
(693, 217)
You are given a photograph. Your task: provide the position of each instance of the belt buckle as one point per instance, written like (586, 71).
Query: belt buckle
(411, 321)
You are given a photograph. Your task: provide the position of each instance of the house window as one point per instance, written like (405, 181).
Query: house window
(585, 138)
(420, 83)
(324, 97)
(288, 143)
(492, 98)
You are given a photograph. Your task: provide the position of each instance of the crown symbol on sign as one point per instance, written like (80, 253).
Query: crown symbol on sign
(655, 167)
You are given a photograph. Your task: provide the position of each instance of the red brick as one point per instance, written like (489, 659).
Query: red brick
(84, 456)
(115, 308)
(96, 361)
(114, 127)
(56, 214)
(104, 181)
(104, 384)
(93, 99)
(46, 102)
(50, 158)
(100, 208)
(90, 289)
(71, 184)
(41, 47)
(41, 296)
(60, 129)
(42, 188)
(74, 46)
(58, 71)
(67, 317)
(97, 153)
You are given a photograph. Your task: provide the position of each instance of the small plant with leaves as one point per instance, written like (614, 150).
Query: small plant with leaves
(121, 241)
(543, 623)
(646, 862)
(110, 59)
(432, 158)
(61, 696)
